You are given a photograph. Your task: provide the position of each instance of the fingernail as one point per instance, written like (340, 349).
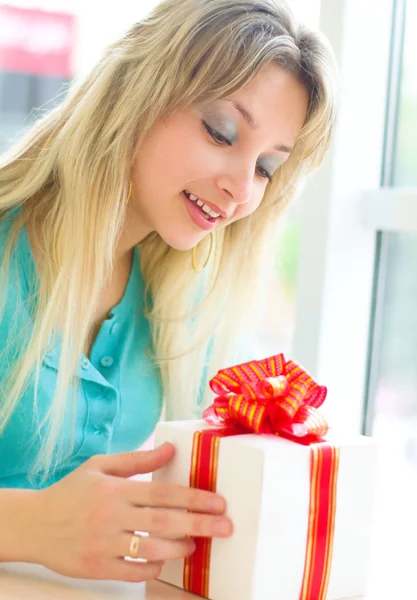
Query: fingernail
(222, 527)
(192, 547)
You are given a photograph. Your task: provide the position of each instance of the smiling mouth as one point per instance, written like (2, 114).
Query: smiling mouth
(206, 211)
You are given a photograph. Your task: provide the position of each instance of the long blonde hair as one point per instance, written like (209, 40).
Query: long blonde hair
(186, 51)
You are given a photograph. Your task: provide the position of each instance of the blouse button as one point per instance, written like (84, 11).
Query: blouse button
(114, 328)
(85, 363)
(106, 361)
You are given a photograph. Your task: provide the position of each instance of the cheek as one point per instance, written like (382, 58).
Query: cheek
(173, 151)
(187, 162)
(183, 153)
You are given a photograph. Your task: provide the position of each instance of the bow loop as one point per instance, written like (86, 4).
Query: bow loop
(274, 387)
(268, 396)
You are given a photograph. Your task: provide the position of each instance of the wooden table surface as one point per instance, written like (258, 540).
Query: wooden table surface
(21, 581)
(33, 582)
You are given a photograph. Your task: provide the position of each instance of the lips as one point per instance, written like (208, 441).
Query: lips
(212, 206)
(196, 214)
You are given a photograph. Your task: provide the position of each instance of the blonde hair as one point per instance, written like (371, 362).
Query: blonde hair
(186, 51)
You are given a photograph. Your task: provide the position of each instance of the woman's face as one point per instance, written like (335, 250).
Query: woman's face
(221, 154)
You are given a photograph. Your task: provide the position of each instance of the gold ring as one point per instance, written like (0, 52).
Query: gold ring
(134, 546)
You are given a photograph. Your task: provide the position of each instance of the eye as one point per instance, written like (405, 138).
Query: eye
(263, 173)
(217, 137)
(222, 140)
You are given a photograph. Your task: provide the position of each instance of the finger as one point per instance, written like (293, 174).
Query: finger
(176, 523)
(123, 570)
(128, 464)
(165, 495)
(157, 549)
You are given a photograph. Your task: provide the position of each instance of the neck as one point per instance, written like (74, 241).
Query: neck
(135, 230)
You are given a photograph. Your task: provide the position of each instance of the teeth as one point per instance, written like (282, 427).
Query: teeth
(206, 209)
(212, 213)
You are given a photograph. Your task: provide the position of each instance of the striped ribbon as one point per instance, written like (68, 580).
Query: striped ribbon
(319, 551)
(203, 475)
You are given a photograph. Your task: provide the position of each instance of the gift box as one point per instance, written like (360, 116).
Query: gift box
(300, 495)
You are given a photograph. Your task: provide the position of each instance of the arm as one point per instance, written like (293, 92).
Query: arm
(18, 525)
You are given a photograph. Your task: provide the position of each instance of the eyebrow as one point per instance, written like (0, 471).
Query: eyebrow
(253, 124)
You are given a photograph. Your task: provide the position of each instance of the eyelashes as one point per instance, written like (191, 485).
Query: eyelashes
(217, 137)
(264, 173)
(224, 141)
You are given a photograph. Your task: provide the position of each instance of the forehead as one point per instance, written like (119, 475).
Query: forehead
(276, 99)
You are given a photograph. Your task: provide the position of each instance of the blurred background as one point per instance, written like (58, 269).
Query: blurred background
(342, 297)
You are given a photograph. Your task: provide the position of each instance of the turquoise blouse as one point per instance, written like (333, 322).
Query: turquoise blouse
(119, 398)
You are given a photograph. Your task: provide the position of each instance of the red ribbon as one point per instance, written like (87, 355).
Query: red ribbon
(270, 396)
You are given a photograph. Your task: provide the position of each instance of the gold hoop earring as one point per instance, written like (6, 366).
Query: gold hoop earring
(130, 191)
(193, 258)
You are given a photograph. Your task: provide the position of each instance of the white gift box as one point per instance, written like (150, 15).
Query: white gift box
(266, 482)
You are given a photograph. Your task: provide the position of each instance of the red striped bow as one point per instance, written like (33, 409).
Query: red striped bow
(268, 396)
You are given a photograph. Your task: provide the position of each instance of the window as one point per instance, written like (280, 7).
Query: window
(391, 414)
(355, 328)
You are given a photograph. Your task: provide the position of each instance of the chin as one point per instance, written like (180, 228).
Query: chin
(182, 243)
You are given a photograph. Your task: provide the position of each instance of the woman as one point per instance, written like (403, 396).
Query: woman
(134, 220)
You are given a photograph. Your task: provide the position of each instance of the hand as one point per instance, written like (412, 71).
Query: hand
(86, 520)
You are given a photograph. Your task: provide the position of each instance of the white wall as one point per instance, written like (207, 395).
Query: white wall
(101, 24)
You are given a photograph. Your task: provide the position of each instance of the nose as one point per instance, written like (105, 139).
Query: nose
(237, 184)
